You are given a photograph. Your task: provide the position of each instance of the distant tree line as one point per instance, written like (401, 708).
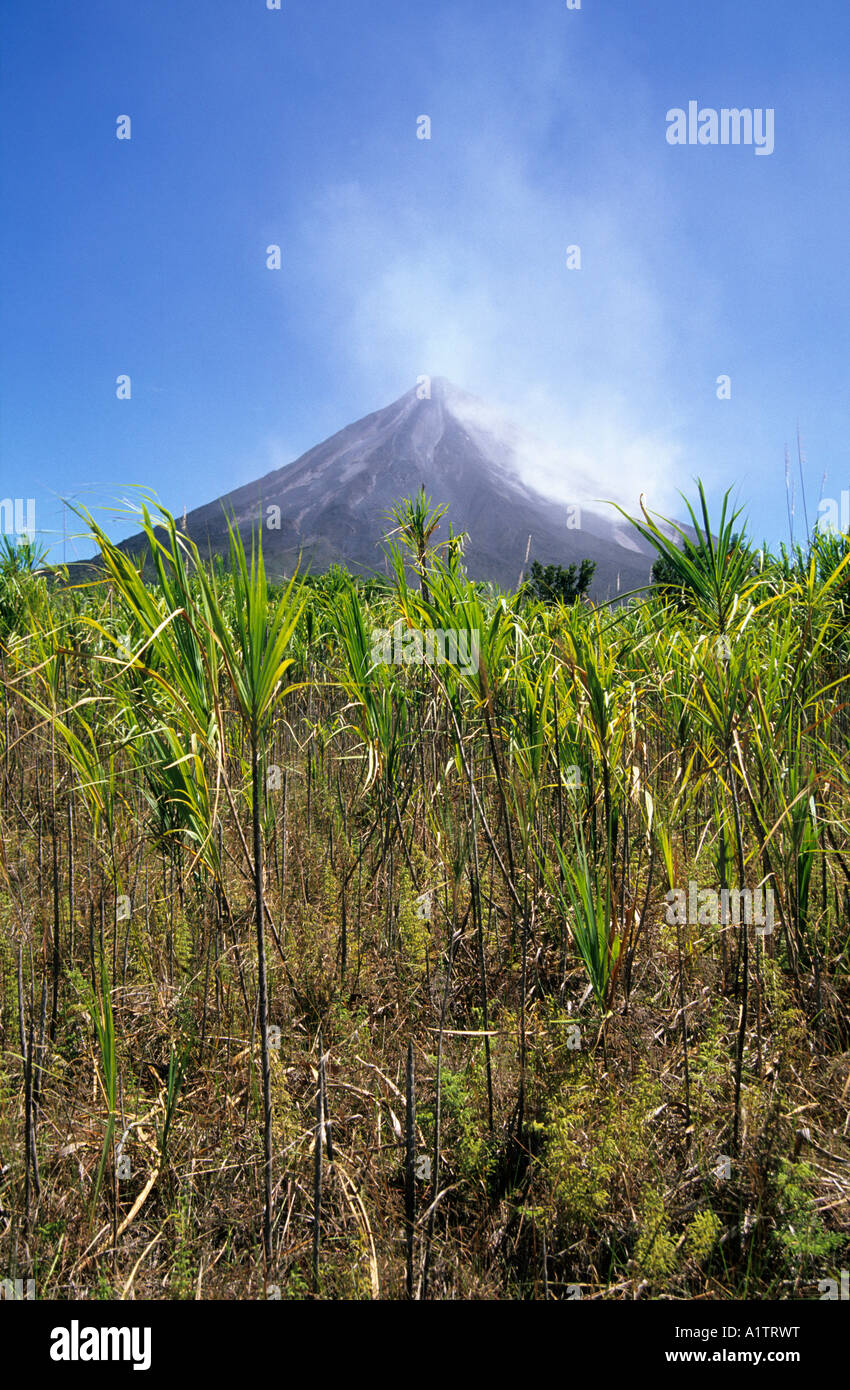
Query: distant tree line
(559, 583)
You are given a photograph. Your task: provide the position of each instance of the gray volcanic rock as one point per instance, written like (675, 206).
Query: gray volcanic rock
(334, 501)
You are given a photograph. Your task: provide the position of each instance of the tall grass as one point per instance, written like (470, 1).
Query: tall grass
(468, 860)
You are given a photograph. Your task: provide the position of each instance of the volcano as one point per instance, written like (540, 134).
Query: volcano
(332, 504)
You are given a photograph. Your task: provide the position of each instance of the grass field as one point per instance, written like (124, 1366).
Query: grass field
(329, 973)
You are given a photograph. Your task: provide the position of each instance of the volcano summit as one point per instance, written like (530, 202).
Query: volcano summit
(332, 504)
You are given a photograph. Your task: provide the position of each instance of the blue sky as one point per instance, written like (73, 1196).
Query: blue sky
(403, 257)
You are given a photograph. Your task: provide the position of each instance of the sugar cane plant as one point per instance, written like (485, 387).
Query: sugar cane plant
(415, 815)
